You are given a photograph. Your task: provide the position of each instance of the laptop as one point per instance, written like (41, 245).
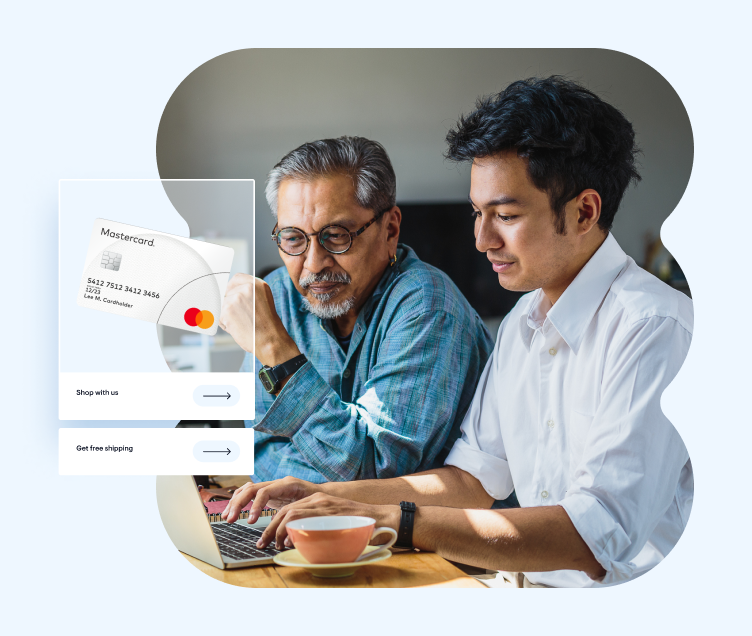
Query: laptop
(221, 544)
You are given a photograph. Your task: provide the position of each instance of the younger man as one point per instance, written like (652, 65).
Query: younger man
(567, 411)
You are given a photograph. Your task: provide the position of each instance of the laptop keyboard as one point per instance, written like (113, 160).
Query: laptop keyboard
(238, 541)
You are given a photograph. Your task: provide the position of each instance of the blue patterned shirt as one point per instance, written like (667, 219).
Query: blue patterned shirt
(393, 403)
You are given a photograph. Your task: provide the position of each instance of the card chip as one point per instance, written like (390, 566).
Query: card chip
(111, 260)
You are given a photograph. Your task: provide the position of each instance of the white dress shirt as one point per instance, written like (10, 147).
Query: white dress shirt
(567, 412)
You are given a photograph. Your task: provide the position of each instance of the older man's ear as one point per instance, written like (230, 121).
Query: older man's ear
(392, 221)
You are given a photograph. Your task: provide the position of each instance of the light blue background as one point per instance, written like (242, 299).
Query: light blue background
(83, 90)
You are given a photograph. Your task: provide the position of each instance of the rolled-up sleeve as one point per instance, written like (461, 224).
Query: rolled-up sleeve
(303, 394)
(403, 415)
(627, 476)
(480, 450)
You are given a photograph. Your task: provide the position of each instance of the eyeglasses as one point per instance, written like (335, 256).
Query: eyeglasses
(333, 238)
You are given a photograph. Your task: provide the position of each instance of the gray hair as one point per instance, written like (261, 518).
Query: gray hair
(363, 160)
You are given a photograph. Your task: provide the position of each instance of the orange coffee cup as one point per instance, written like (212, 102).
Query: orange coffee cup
(336, 539)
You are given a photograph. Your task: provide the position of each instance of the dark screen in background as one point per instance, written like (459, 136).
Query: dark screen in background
(442, 235)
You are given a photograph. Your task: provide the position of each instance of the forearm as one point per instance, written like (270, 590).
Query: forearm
(335, 437)
(447, 486)
(362, 438)
(539, 539)
(325, 431)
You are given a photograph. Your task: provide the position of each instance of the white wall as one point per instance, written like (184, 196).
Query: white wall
(238, 114)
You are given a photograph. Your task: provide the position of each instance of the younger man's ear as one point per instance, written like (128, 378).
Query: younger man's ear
(588, 210)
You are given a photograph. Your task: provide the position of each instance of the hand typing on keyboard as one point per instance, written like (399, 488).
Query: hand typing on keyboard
(239, 542)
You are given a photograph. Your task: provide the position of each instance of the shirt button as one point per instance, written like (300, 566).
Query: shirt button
(544, 494)
(552, 351)
(346, 373)
(550, 423)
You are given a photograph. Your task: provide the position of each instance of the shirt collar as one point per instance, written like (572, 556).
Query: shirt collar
(575, 309)
(390, 273)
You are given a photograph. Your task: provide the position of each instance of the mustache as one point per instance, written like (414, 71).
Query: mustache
(500, 256)
(325, 277)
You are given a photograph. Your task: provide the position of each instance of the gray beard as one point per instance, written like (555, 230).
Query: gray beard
(323, 309)
(329, 311)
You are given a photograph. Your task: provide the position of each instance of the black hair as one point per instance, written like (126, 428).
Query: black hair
(571, 138)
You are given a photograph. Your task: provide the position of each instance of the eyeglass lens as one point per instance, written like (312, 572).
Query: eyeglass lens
(334, 239)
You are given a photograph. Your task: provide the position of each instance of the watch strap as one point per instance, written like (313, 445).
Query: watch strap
(281, 371)
(407, 521)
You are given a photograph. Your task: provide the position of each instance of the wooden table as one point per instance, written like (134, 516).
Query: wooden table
(403, 569)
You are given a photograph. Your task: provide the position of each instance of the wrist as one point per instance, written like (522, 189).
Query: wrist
(341, 489)
(327, 488)
(275, 353)
(389, 516)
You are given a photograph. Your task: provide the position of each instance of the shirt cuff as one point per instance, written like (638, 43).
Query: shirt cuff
(491, 471)
(606, 539)
(295, 403)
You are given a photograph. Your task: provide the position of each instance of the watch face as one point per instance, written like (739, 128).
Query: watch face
(266, 381)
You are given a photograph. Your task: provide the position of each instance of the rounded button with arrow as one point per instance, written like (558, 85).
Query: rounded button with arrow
(216, 451)
(216, 395)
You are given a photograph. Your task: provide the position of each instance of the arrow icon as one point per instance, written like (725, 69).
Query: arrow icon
(228, 450)
(224, 396)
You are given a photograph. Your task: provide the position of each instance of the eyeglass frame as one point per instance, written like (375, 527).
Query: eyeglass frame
(353, 235)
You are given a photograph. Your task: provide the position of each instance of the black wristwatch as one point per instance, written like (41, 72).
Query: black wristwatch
(405, 534)
(271, 377)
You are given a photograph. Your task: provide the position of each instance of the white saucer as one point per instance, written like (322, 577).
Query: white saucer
(293, 559)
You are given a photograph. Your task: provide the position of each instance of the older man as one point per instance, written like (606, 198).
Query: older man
(366, 358)
(568, 409)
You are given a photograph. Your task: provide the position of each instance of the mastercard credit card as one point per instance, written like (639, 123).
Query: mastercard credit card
(148, 275)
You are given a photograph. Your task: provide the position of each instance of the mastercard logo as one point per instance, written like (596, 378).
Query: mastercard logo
(198, 318)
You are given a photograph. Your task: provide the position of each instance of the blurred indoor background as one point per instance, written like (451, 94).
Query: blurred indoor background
(236, 115)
